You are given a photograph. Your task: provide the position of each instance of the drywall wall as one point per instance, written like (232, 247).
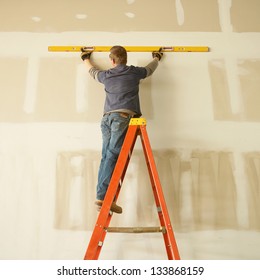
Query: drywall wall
(203, 123)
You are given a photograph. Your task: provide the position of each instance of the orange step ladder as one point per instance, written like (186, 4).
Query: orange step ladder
(137, 126)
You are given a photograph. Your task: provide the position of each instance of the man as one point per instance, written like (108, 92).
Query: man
(121, 84)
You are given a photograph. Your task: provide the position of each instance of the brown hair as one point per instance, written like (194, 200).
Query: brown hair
(118, 54)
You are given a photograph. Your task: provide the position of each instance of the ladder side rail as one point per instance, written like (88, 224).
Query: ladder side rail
(154, 183)
(131, 136)
(120, 182)
(148, 164)
(152, 170)
(104, 216)
(170, 242)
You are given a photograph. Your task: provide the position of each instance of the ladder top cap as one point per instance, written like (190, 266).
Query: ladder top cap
(137, 121)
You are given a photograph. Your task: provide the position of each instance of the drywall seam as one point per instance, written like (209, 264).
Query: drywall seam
(224, 15)
(81, 88)
(234, 86)
(31, 84)
(231, 65)
(180, 12)
(241, 188)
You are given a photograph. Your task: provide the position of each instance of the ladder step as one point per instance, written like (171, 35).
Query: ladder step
(135, 229)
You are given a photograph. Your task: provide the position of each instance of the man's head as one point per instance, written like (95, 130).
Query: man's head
(118, 55)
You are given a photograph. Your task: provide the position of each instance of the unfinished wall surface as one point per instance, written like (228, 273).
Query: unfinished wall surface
(203, 116)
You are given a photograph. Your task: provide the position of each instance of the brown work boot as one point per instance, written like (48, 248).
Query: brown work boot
(114, 207)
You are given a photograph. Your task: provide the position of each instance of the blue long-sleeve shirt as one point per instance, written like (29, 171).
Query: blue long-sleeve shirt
(121, 85)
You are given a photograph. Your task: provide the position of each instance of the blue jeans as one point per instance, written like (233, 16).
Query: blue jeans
(114, 127)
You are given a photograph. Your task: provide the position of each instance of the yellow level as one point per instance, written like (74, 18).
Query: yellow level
(128, 48)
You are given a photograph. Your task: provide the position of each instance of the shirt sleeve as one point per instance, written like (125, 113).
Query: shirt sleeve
(93, 71)
(150, 68)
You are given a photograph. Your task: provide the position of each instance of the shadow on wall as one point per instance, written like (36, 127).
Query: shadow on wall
(200, 191)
